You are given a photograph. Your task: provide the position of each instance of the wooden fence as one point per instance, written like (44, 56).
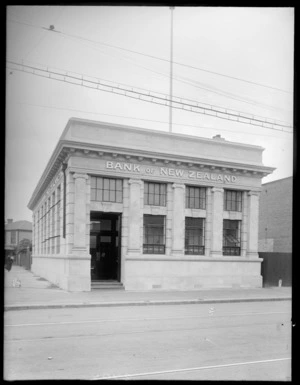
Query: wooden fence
(276, 269)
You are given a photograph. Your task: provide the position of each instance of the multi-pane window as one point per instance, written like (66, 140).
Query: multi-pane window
(195, 197)
(155, 194)
(231, 237)
(232, 200)
(53, 224)
(42, 229)
(106, 189)
(154, 234)
(194, 236)
(48, 225)
(13, 237)
(58, 221)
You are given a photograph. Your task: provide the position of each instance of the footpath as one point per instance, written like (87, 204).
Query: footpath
(35, 292)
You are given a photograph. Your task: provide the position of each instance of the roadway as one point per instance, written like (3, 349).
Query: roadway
(231, 341)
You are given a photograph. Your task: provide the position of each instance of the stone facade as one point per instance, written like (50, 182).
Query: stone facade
(64, 201)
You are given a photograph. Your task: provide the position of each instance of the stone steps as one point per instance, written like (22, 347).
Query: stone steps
(106, 285)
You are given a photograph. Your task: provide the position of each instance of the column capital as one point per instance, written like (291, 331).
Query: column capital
(135, 181)
(178, 185)
(254, 193)
(217, 189)
(80, 175)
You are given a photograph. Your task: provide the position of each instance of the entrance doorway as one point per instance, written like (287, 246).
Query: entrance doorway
(105, 247)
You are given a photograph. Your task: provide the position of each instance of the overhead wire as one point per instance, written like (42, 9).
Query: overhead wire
(143, 119)
(152, 56)
(111, 83)
(185, 105)
(196, 84)
(187, 81)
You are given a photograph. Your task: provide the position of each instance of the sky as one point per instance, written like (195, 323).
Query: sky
(240, 59)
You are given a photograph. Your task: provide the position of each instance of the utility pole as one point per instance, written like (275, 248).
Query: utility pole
(171, 71)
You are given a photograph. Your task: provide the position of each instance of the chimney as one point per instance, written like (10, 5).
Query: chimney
(218, 137)
(9, 221)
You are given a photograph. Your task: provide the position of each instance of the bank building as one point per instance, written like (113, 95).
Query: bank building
(147, 210)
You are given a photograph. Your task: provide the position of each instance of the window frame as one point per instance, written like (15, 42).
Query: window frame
(232, 250)
(233, 200)
(199, 202)
(106, 189)
(194, 249)
(158, 192)
(152, 247)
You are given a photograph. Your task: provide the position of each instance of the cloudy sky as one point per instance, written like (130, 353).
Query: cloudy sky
(236, 58)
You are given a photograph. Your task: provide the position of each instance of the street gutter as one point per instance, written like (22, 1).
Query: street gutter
(141, 303)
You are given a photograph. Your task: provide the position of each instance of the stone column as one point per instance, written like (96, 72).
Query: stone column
(253, 212)
(178, 226)
(208, 232)
(134, 217)
(79, 240)
(169, 219)
(244, 228)
(217, 222)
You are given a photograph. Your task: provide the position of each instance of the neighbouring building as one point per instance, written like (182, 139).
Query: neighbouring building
(149, 209)
(275, 232)
(276, 216)
(14, 233)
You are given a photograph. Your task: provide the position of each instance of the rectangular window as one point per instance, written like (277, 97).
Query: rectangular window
(194, 236)
(58, 198)
(154, 234)
(155, 194)
(106, 189)
(53, 224)
(231, 237)
(195, 197)
(232, 200)
(48, 225)
(13, 237)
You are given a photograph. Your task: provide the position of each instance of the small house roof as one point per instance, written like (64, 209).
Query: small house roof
(19, 225)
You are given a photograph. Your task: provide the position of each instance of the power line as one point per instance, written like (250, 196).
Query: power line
(152, 56)
(194, 83)
(191, 82)
(112, 84)
(142, 119)
(191, 106)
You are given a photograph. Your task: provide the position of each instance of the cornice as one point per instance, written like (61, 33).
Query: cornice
(122, 128)
(161, 159)
(66, 149)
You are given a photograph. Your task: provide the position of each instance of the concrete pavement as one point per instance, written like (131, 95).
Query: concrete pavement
(37, 293)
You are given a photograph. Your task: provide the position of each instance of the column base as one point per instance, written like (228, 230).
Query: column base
(177, 252)
(252, 254)
(134, 253)
(216, 254)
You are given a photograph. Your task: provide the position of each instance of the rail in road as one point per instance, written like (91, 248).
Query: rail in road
(227, 341)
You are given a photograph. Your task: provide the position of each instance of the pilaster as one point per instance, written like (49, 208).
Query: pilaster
(244, 227)
(169, 218)
(134, 216)
(79, 240)
(253, 212)
(178, 218)
(217, 222)
(208, 222)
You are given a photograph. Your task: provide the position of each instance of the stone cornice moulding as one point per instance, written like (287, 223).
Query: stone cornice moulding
(66, 148)
(200, 163)
(123, 128)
